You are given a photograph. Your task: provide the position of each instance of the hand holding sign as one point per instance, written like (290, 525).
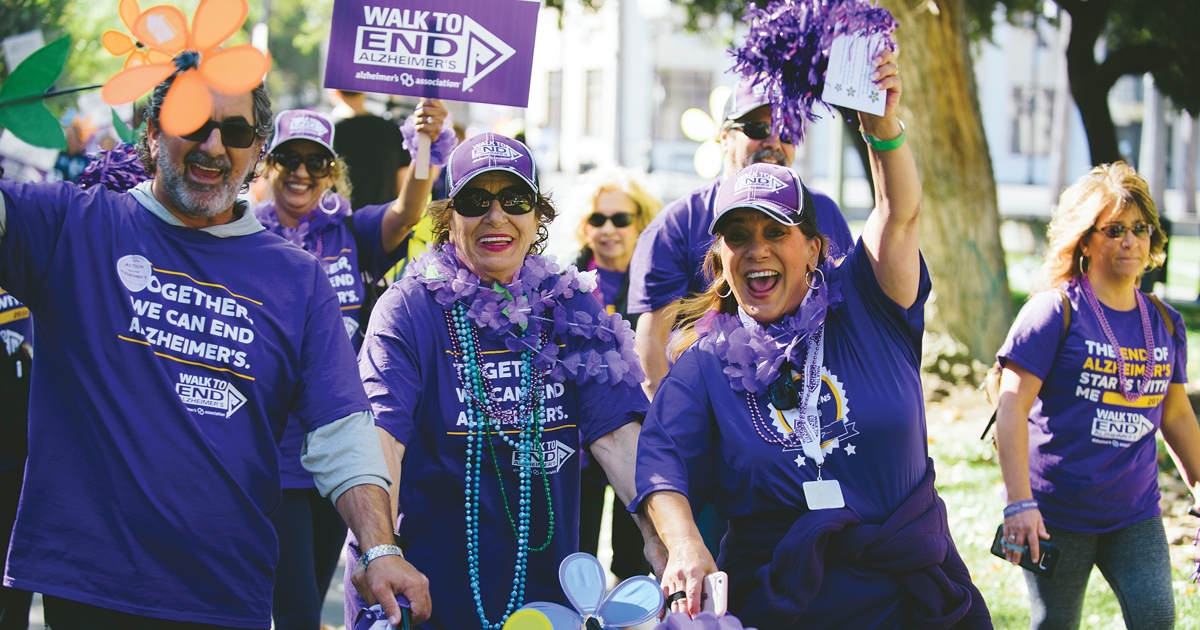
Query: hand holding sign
(429, 116)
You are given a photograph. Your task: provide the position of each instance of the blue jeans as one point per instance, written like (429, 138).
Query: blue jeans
(1135, 561)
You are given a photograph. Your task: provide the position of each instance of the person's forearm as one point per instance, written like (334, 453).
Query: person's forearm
(671, 515)
(897, 183)
(393, 454)
(1182, 435)
(1012, 443)
(617, 454)
(650, 344)
(405, 212)
(365, 510)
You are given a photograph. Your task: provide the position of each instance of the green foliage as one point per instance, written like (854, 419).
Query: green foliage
(28, 119)
(1160, 37)
(20, 16)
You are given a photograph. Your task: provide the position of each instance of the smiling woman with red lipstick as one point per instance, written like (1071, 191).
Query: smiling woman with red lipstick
(303, 171)
(794, 405)
(490, 368)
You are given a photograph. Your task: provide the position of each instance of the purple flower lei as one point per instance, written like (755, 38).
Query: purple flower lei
(753, 354)
(787, 50)
(520, 311)
(305, 234)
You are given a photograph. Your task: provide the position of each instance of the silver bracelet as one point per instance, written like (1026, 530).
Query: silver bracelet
(379, 551)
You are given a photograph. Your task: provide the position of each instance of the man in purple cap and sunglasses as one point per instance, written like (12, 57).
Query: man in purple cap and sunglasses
(668, 262)
(175, 337)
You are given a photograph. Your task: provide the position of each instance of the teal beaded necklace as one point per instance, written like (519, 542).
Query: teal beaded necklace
(482, 412)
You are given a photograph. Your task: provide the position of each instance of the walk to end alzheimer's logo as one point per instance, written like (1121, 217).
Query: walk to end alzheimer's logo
(208, 395)
(761, 182)
(427, 40)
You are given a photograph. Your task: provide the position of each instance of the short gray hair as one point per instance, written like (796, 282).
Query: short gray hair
(264, 119)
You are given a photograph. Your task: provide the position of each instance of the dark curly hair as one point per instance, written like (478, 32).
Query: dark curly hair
(264, 119)
(441, 211)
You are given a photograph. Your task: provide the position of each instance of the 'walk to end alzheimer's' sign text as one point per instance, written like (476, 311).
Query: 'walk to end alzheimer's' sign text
(464, 50)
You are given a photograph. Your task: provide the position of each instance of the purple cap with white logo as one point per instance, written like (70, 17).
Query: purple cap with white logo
(771, 189)
(747, 97)
(303, 124)
(489, 152)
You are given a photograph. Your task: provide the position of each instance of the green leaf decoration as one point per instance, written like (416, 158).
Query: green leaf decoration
(500, 288)
(38, 72)
(34, 124)
(31, 121)
(127, 135)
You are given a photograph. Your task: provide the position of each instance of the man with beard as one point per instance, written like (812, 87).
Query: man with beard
(175, 336)
(668, 261)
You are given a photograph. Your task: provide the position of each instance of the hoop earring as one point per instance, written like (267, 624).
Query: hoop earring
(1083, 271)
(336, 200)
(727, 293)
(808, 278)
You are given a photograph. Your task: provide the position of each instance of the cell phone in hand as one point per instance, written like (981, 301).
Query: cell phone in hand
(715, 597)
(1045, 566)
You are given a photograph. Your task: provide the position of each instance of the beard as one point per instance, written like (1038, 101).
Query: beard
(196, 200)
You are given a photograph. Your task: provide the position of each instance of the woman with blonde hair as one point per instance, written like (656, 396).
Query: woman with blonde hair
(1092, 369)
(309, 207)
(618, 209)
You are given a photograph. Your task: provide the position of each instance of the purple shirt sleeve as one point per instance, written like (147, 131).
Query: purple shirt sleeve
(389, 363)
(1036, 335)
(676, 449)
(368, 226)
(1179, 369)
(659, 273)
(35, 214)
(603, 407)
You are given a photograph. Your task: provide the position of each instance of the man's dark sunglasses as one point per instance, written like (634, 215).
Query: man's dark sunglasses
(317, 164)
(235, 134)
(619, 220)
(1116, 230)
(475, 202)
(758, 130)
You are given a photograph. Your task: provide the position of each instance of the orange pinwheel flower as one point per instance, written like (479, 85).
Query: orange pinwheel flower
(201, 66)
(119, 43)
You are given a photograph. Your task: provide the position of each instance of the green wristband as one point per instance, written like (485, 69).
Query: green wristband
(884, 145)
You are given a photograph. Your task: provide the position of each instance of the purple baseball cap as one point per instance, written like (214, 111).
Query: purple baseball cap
(303, 124)
(749, 95)
(771, 189)
(489, 152)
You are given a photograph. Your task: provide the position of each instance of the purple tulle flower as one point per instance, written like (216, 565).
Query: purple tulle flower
(547, 357)
(117, 169)
(787, 51)
(439, 150)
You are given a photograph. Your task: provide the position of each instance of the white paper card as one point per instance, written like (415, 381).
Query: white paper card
(848, 77)
(823, 495)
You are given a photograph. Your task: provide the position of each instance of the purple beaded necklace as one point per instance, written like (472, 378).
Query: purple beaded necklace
(1147, 332)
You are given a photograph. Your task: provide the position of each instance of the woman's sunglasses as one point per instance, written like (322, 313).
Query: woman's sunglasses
(235, 134)
(316, 164)
(619, 220)
(758, 130)
(475, 202)
(1116, 230)
(783, 390)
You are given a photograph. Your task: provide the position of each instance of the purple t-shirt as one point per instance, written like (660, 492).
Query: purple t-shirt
(168, 361)
(668, 261)
(1093, 461)
(609, 286)
(16, 328)
(699, 439)
(408, 368)
(342, 257)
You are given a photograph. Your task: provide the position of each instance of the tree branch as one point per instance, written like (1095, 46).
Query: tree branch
(1070, 6)
(1136, 59)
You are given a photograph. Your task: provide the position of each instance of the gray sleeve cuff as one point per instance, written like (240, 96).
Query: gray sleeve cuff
(345, 453)
(3, 217)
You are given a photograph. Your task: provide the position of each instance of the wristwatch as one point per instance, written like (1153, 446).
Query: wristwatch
(379, 551)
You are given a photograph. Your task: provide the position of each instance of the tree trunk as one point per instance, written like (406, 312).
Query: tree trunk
(1088, 87)
(960, 222)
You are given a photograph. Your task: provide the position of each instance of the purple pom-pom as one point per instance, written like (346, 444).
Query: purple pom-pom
(439, 150)
(118, 169)
(703, 621)
(787, 51)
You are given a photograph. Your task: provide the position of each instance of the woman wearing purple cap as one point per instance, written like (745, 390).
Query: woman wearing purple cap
(489, 368)
(1092, 369)
(795, 406)
(304, 171)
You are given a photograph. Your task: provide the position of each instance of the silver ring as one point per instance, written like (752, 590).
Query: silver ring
(1012, 536)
